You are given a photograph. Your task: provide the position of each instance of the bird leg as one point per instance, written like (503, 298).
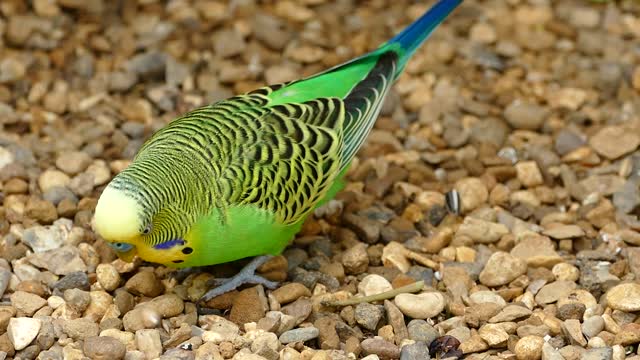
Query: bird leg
(246, 276)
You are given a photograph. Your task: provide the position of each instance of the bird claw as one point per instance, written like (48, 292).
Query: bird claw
(246, 276)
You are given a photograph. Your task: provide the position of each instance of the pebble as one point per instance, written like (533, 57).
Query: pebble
(501, 269)
(537, 251)
(373, 284)
(144, 283)
(628, 334)
(45, 238)
(22, 331)
(524, 115)
(421, 306)
(473, 193)
(77, 299)
(108, 276)
(554, 291)
(624, 297)
(368, 315)
(415, 351)
(249, 305)
(420, 330)
(104, 348)
(510, 313)
(266, 345)
(290, 292)
(50, 179)
(380, 347)
(494, 335)
(355, 259)
(482, 231)
(529, 173)
(142, 317)
(529, 348)
(561, 231)
(613, 142)
(80, 329)
(73, 162)
(148, 341)
(61, 261)
(592, 326)
(565, 272)
(167, 305)
(395, 318)
(597, 354)
(299, 335)
(487, 297)
(27, 303)
(218, 329)
(367, 229)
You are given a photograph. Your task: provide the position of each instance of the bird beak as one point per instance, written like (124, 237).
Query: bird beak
(128, 256)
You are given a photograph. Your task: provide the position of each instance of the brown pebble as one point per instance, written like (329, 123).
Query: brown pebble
(290, 292)
(249, 306)
(144, 283)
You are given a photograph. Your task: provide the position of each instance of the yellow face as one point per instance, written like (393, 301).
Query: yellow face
(118, 220)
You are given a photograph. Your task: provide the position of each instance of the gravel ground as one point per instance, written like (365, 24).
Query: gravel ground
(529, 110)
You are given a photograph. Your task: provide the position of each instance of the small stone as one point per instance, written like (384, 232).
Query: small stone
(104, 348)
(41, 210)
(218, 329)
(355, 259)
(552, 292)
(167, 305)
(380, 347)
(367, 230)
(11, 69)
(228, 43)
(422, 306)
(624, 297)
(494, 335)
(592, 326)
(328, 335)
(529, 348)
(537, 251)
(148, 341)
(142, 317)
(420, 330)
(562, 231)
(529, 173)
(144, 283)
(481, 231)
(74, 280)
(27, 303)
(599, 353)
(299, 335)
(73, 162)
(565, 272)
(62, 261)
(571, 311)
(290, 292)
(501, 269)
(473, 193)
(77, 299)
(80, 329)
(487, 297)
(108, 276)
(266, 345)
(395, 318)
(373, 285)
(249, 306)
(613, 142)
(629, 334)
(368, 315)
(510, 313)
(525, 116)
(22, 331)
(573, 331)
(45, 238)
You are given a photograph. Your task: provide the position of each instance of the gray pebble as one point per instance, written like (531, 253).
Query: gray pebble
(368, 315)
(420, 330)
(74, 280)
(299, 335)
(418, 350)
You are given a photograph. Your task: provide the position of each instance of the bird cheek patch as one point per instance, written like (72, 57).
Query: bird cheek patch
(169, 244)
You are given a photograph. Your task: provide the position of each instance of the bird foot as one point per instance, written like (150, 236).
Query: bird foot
(246, 276)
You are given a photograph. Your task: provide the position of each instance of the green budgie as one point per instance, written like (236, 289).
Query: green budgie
(237, 178)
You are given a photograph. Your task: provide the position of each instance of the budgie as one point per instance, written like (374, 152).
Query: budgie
(237, 178)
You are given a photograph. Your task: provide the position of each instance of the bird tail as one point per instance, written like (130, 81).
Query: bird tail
(410, 39)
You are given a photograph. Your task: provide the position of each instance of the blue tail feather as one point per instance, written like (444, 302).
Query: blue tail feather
(415, 34)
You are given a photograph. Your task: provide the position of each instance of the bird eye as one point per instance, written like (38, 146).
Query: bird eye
(146, 230)
(121, 247)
